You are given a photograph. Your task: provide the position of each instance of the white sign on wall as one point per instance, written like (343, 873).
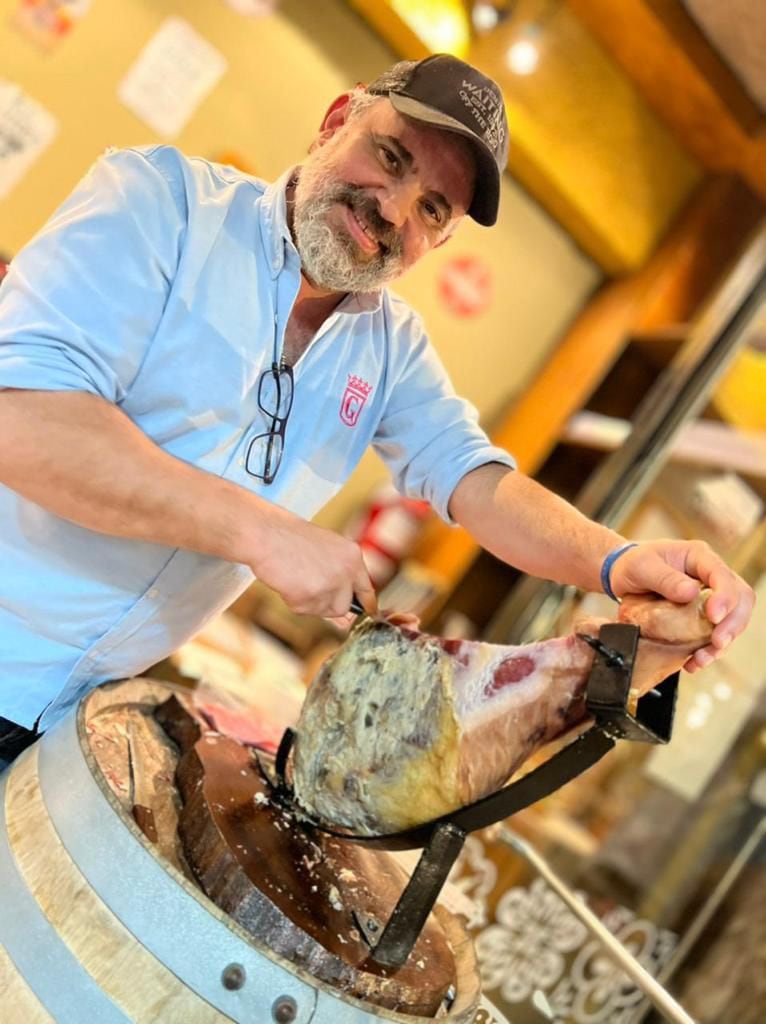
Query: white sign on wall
(172, 75)
(26, 129)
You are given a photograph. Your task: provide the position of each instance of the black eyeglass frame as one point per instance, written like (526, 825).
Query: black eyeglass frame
(278, 423)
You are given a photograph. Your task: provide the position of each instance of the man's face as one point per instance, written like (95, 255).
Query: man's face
(376, 196)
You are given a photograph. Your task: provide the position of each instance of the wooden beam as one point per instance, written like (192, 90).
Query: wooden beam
(693, 43)
(679, 75)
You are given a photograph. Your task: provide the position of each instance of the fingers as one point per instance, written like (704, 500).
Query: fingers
(705, 656)
(327, 602)
(730, 606)
(365, 592)
(409, 620)
(676, 570)
(315, 571)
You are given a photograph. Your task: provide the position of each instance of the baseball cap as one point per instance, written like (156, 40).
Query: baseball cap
(448, 93)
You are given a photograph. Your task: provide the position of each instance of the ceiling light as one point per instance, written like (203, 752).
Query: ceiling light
(485, 17)
(522, 57)
(443, 25)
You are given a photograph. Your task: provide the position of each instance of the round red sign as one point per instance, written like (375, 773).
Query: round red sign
(465, 285)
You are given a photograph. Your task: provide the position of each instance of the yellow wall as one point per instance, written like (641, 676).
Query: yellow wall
(283, 71)
(587, 143)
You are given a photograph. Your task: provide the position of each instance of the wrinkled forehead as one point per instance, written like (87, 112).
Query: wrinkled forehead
(443, 161)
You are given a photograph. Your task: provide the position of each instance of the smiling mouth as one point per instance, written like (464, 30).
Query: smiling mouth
(366, 230)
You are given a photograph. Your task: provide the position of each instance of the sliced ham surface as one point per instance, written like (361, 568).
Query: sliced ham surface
(400, 727)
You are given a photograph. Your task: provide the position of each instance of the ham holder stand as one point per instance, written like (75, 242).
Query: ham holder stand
(606, 698)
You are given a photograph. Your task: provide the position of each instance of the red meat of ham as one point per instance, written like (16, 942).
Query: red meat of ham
(400, 727)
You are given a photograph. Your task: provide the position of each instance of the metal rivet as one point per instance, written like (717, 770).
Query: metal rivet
(233, 977)
(284, 1010)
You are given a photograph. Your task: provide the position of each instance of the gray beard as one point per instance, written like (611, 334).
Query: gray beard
(330, 256)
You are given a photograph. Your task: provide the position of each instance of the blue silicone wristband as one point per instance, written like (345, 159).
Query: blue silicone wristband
(606, 569)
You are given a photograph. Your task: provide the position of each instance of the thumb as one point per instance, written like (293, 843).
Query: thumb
(365, 594)
(648, 572)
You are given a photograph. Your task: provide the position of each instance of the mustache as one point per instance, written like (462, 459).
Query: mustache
(367, 210)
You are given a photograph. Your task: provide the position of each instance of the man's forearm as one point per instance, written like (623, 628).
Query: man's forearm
(81, 458)
(529, 527)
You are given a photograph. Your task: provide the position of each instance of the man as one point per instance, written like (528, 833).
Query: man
(193, 362)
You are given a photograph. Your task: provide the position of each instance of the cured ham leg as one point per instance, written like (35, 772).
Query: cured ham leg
(400, 727)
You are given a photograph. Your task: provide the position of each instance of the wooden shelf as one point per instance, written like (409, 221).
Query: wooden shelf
(660, 344)
(700, 443)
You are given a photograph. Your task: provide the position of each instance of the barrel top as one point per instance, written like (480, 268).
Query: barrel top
(275, 892)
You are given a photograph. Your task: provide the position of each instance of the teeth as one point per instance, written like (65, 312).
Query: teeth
(365, 229)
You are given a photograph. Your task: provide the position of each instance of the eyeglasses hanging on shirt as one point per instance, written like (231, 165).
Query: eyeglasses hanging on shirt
(275, 398)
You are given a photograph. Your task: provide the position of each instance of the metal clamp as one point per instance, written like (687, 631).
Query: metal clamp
(607, 695)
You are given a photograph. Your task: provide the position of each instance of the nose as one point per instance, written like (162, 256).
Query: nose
(396, 202)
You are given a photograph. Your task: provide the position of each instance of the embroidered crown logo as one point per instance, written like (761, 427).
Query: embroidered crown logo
(359, 385)
(356, 394)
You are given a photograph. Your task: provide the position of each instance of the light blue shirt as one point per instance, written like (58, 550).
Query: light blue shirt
(164, 284)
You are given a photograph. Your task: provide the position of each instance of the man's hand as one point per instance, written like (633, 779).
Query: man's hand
(677, 569)
(60, 449)
(315, 571)
(526, 525)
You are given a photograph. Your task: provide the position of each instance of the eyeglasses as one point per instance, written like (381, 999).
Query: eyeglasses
(275, 398)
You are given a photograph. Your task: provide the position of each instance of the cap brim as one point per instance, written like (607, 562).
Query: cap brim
(486, 193)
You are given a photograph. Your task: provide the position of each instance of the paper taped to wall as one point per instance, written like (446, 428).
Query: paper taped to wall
(26, 128)
(171, 76)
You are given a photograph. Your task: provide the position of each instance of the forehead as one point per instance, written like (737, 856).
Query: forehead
(443, 161)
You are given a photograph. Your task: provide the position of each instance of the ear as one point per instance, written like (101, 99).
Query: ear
(334, 118)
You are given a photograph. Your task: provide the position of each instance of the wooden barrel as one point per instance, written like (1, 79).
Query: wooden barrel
(96, 927)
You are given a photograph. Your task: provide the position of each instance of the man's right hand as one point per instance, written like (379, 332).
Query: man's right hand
(315, 571)
(80, 457)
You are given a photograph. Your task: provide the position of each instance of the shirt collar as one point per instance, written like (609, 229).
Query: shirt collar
(277, 240)
(361, 302)
(275, 233)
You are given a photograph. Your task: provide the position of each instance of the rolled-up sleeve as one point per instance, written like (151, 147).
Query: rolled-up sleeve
(82, 301)
(429, 437)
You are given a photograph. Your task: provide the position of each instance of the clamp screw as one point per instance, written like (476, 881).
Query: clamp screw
(233, 977)
(284, 1010)
(612, 658)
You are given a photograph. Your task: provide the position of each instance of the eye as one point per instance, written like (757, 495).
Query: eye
(389, 159)
(432, 212)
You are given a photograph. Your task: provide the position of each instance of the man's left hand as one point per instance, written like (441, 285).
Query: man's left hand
(677, 569)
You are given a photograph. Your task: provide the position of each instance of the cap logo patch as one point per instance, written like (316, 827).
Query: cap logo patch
(487, 111)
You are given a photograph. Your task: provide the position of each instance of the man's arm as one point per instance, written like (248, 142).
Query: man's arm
(528, 526)
(81, 458)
